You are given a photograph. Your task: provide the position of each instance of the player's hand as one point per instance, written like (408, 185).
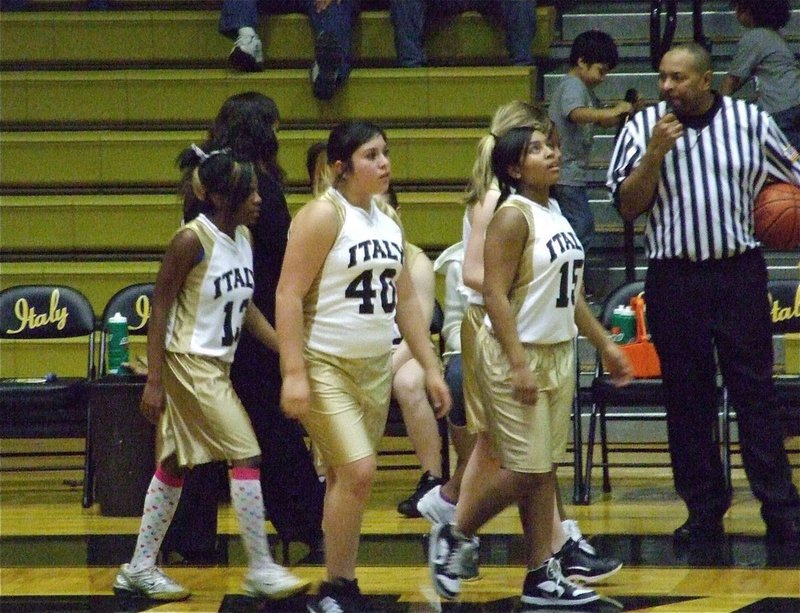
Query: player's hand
(296, 396)
(523, 384)
(438, 393)
(616, 362)
(153, 400)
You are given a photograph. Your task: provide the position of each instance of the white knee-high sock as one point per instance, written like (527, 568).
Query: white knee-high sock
(248, 502)
(159, 508)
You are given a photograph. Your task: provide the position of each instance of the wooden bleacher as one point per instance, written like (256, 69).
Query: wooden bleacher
(96, 105)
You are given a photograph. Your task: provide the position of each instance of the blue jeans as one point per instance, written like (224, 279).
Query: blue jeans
(574, 203)
(455, 379)
(518, 17)
(789, 123)
(337, 19)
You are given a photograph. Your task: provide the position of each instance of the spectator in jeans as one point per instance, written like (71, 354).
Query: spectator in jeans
(409, 16)
(332, 21)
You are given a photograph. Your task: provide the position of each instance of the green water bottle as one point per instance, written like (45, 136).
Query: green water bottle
(623, 325)
(117, 349)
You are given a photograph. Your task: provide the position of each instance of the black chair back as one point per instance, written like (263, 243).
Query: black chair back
(44, 312)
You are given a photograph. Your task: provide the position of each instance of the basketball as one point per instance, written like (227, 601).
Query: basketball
(776, 214)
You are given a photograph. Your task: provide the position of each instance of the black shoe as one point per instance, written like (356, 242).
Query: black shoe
(546, 586)
(338, 596)
(328, 59)
(580, 562)
(426, 483)
(697, 529)
(784, 531)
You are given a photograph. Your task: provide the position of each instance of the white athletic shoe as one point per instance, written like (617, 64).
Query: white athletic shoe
(436, 509)
(151, 583)
(273, 582)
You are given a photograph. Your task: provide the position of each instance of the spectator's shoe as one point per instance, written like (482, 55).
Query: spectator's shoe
(698, 530)
(409, 506)
(328, 59)
(273, 582)
(436, 509)
(338, 596)
(444, 560)
(580, 562)
(470, 560)
(547, 587)
(151, 583)
(247, 54)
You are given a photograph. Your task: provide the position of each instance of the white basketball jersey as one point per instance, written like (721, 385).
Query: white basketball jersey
(549, 276)
(207, 315)
(349, 310)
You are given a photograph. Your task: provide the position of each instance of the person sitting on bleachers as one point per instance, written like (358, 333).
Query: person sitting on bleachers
(332, 21)
(409, 17)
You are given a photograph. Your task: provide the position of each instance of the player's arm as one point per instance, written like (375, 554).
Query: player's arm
(416, 333)
(311, 237)
(505, 241)
(259, 327)
(182, 254)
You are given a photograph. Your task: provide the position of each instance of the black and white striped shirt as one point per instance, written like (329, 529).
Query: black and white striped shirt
(703, 207)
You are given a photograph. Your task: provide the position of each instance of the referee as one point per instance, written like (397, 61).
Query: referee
(694, 163)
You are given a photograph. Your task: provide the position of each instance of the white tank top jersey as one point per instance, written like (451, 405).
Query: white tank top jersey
(349, 309)
(208, 313)
(549, 276)
(473, 296)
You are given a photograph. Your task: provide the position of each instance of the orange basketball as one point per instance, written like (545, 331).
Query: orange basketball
(776, 214)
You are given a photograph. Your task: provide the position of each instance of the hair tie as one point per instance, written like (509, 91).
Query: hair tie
(203, 156)
(493, 134)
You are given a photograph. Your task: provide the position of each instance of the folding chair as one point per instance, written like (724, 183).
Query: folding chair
(784, 295)
(51, 406)
(639, 399)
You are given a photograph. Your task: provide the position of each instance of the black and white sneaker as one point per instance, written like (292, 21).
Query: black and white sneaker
(444, 560)
(546, 586)
(580, 562)
(338, 596)
(409, 506)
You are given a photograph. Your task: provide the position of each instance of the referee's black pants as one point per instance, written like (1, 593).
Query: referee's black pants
(693, 309)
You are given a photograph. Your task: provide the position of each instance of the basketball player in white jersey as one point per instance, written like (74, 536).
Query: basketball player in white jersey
(525, 351)
(342, 285)
(201, 301)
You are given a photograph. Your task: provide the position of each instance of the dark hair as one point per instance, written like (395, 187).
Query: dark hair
(510, 149)
(773, 14)
(347, 137)
(216, 172)
(594, 47)
(245, 123)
